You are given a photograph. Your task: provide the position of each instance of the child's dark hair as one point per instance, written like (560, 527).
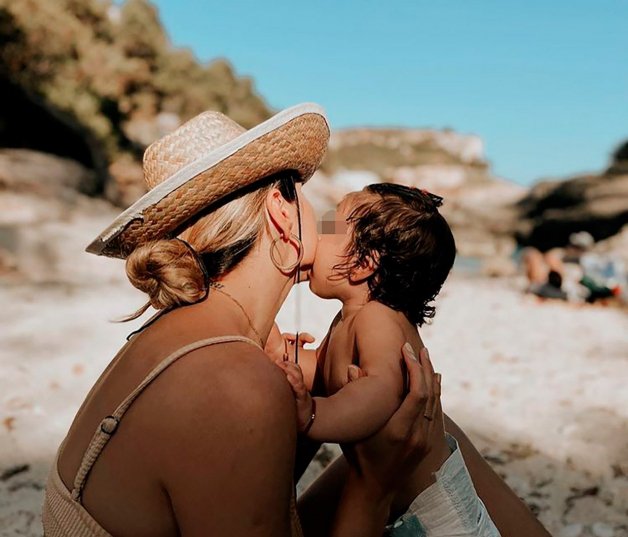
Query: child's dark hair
(409, 240)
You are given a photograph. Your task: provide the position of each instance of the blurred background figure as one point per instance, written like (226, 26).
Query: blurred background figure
(574, 272)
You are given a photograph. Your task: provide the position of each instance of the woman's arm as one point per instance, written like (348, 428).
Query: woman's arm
(511, 516)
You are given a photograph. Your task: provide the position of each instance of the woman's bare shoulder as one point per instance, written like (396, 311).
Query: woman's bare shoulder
(227, 424)
(237, 377)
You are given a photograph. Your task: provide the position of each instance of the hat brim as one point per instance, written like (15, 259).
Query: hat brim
(294, 139)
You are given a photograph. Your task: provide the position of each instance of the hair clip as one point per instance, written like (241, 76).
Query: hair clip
(436, 200)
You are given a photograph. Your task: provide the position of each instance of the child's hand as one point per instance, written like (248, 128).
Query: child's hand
(302, 396)
(304, 337)
(281, 346)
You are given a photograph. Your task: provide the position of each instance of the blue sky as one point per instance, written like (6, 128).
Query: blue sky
(543, 82)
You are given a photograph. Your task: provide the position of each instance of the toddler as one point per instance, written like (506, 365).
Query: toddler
(385, 253)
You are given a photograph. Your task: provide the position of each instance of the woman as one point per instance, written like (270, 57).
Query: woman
(205, 445)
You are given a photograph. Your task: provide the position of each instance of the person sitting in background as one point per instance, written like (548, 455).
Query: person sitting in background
(603, 276)
(544, 272)
(591, 276)
(575, 273)
(552, 288)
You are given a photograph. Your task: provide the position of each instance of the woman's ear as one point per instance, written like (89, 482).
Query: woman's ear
(279, 212)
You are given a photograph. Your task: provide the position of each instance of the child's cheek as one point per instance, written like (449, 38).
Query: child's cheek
(324, 260)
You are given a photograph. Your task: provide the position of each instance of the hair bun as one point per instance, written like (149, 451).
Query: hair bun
(168, 271)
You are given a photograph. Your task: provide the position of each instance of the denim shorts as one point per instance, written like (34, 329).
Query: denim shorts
(448, 507)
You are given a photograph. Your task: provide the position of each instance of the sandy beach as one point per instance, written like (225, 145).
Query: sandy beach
(539, 387)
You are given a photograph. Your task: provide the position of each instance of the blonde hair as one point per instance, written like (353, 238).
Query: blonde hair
(170, 273)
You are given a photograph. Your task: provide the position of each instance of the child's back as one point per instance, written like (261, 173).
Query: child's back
(374, 321)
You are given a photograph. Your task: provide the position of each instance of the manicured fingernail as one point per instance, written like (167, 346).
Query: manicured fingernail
(410, 350)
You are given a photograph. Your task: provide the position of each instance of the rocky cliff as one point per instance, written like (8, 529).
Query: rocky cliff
(480, 207)
(434, 159)
(552, 210)
(96, 82)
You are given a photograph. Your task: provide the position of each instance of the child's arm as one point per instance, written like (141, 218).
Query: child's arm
(361, 407)
(282, 347)
(278, 345)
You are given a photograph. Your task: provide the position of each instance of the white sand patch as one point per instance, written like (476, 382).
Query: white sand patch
(539, 387)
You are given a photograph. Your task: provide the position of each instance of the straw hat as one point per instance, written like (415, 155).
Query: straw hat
(204, 160)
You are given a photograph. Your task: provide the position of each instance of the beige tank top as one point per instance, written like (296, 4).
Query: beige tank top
(63, 514)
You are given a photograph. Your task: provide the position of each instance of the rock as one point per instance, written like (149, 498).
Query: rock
(24, 170)
(98, 81)
(571, 530)
(619, 164)
(600, 529)
(479, 208)
(617, 245)
(432, 177)
(127, 181)
(45, 222)
(146, 130)
(57, 133)
(351, 180)
(323, 193)
(552, 211)
(433, 159)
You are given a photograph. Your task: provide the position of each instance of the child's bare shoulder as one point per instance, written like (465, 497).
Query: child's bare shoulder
(378, 328)
(375, 314)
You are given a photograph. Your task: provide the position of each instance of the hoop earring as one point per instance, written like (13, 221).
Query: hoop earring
(289, 268)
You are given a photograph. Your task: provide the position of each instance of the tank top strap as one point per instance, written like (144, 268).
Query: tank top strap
(107, 427)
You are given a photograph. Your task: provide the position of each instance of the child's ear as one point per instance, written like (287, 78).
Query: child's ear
(365, 269)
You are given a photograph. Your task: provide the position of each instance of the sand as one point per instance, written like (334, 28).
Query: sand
(540, 387)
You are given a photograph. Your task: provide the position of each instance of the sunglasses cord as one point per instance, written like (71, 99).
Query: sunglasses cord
(298, 288)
